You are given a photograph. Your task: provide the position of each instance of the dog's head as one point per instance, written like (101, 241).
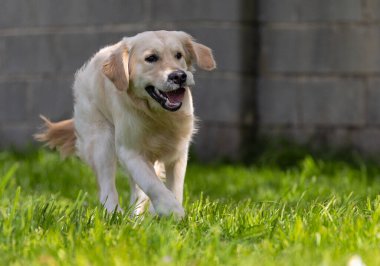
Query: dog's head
(156, 66)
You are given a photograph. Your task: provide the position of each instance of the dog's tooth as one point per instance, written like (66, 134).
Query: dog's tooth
(157, 91)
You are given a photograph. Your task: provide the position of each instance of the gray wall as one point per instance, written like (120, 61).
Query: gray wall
(319, 71)
(306, 70)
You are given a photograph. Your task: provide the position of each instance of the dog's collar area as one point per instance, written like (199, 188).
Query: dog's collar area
(171, 100)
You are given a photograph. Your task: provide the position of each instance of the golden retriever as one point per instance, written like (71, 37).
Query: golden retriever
(133, 104)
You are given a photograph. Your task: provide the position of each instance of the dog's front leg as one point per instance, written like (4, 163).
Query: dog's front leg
(143, 174)
(97, 149)
(175, 176)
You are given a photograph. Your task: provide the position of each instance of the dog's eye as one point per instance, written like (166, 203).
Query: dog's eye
(151, 59)
(178, 55)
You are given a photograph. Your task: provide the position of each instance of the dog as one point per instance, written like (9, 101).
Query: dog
(133, 104)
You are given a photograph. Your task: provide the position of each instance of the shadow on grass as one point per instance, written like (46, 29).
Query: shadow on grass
(285, 154)
(41, 171)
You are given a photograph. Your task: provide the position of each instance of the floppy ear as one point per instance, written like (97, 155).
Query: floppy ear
(201, 53)
(116, 68)
(203, 56)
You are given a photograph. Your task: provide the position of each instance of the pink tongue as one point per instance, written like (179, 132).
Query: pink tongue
(176, 96)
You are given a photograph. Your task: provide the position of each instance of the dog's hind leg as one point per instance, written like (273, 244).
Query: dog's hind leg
(138, 199)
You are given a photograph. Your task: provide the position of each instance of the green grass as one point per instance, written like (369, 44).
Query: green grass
(309, 210)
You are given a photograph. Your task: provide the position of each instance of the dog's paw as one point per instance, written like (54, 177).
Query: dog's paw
(169, 206)
(152, 211)
(111, 206)
(140, 208)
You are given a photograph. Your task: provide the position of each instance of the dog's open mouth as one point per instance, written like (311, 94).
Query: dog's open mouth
(169, 100)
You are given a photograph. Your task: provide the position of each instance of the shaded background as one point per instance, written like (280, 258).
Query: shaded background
(304, 70)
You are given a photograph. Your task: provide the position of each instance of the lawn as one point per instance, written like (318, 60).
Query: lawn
(281, 209)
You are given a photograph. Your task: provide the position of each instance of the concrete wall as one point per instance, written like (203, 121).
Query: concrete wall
(319, 71)
(43, 43)
(306, 70)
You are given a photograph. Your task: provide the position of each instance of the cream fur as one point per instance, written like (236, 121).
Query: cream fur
(115, 119)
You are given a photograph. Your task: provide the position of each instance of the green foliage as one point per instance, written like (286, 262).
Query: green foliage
(310, 210)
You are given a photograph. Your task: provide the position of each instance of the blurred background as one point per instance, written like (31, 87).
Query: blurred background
(307, 71)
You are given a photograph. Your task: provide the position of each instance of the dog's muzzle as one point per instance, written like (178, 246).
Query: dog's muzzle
(170, 100)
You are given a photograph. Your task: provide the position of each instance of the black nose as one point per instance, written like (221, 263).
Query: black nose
(177, 77)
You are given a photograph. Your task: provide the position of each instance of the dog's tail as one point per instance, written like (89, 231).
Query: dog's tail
(60, 135)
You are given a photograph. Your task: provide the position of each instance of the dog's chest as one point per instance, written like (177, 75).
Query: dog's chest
(166, 141)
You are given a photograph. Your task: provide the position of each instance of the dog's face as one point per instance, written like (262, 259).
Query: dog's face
(157, 67)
